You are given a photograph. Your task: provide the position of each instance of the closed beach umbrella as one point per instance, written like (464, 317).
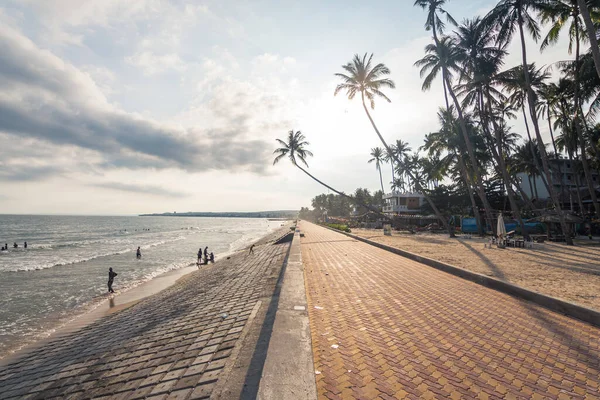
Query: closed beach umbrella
(501, 227)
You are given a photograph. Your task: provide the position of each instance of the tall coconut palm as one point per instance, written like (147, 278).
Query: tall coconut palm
(378, 158)
(448, 55)
(480, 65)
(448, 140)
(559, 13)
(442, 57)
(508, 16)
(363, 78)
(295, 148)
(586, 14)
(401, 150)
(435, 24)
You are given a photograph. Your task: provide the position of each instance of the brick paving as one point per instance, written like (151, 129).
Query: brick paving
(387, 327)
(173, 345)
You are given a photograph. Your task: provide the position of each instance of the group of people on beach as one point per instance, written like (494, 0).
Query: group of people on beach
(15, 246)
(207, 257)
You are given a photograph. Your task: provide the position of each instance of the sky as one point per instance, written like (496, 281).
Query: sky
(112, 107)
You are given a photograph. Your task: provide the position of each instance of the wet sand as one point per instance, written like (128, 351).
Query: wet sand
(571, 273)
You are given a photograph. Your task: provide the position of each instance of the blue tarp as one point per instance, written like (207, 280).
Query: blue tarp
(469, 225)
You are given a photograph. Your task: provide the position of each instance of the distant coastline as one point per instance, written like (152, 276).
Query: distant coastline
(280, 214)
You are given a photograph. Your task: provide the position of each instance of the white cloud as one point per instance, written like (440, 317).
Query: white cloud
(151, 63)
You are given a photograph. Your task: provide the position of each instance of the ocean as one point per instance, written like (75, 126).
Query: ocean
(64, 270)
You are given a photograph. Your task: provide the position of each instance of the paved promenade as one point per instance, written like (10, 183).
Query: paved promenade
(386, 327)
(173, 345)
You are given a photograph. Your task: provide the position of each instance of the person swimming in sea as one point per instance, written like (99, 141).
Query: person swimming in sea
(15, 245)
(25, 245)
(138, 253)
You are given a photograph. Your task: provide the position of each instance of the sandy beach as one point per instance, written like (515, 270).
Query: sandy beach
(568, 273)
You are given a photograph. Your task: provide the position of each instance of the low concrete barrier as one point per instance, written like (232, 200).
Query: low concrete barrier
(564, 307)
(289, 368)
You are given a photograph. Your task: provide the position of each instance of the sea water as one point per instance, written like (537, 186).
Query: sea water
(64, 270)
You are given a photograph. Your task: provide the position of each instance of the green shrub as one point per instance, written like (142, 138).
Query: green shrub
(339, 227)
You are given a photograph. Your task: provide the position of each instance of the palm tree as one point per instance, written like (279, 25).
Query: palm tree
(434, 23)
(401, 150)
(361, 77)
(378, 158)
(591, 30)
(507, 16)
(559, 13)
(448, 141)
(295, 148)
(480, 65)
(448, 56)
(441, 57)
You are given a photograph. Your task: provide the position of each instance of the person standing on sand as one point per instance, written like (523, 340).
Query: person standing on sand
(212, 258)
(206, 255)
(199, 256)
(111, 277)
(251, 250)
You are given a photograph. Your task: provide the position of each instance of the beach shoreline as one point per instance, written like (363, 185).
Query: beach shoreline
(107, 304)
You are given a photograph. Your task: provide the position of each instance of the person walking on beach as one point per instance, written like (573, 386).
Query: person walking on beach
(138, 254)
(251, 250)
(199, 256)
(111, 277)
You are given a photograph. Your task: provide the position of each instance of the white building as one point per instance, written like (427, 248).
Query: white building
(397, 202)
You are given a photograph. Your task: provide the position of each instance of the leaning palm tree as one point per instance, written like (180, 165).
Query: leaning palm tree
(363, 78)
(295, 148)
(508, 16)
(378, 158)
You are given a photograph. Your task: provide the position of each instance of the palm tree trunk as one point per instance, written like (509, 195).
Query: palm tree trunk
(577, 180)
(475, 165)
(350, 198)
(578, 116)
(536, 162)
(531, 102)
(381, 180)
(530, 185)
(591, 30)
(556, 153)
(499, 156)
(537, 196)
(464, 173)
(437, 212)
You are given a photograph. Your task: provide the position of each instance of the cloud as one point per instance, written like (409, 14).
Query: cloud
(151, 63)
(49, 99)
(19, 173)
(141, 189)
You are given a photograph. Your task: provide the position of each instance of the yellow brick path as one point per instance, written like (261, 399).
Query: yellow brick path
(387, 327)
